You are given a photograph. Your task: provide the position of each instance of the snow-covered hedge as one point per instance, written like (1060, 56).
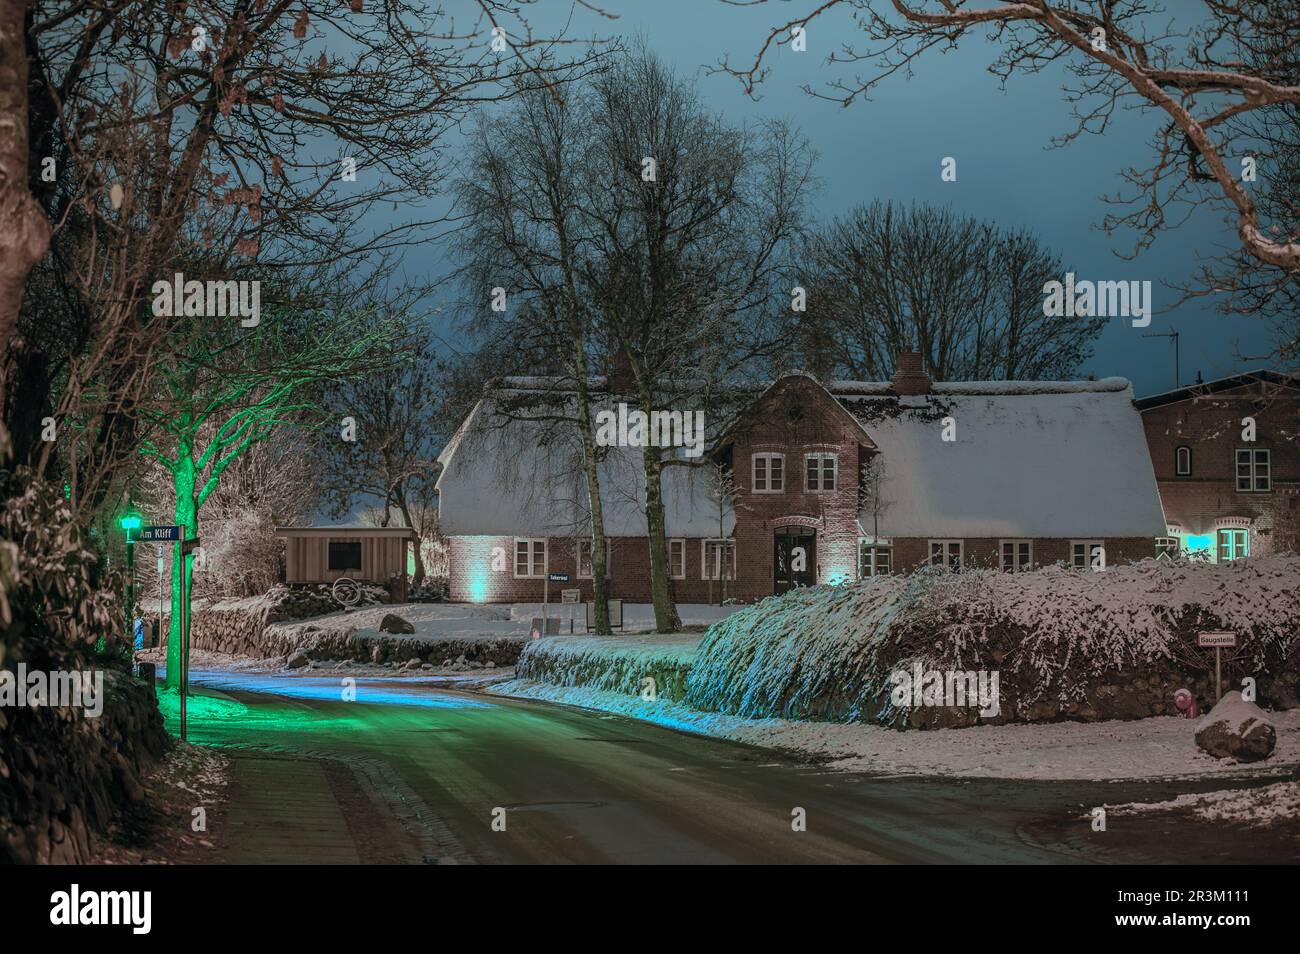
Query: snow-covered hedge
(1066, 643)
(615, 663)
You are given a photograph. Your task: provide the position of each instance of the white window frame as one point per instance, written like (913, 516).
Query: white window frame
(1016, 565)
(767, 457)
(874, 546)
(821, 458)
(961, 553)
(704, 558)
(1087, 554)
(1169, 547)
(1236, 554)
(577, 558)
(673, 542)
(532, 564)
(1179, 470)
(1254, 466)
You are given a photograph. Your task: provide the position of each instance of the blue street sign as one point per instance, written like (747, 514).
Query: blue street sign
(558, 577)
(154, 534)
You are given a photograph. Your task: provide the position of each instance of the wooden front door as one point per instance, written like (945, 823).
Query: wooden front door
(794, 558)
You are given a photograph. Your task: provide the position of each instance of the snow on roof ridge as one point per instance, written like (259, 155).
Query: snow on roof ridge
(1112, 384)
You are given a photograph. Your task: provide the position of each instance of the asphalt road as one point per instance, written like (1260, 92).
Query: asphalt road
(419, 774)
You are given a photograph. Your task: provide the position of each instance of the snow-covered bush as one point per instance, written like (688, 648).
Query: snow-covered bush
(243, 555)
(1066, 643)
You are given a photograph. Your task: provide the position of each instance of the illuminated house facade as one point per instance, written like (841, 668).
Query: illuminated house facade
(821, 483)
(1227, 460)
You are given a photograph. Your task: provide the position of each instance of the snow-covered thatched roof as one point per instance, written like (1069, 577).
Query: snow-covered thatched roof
(1030, 459)
(523, 478)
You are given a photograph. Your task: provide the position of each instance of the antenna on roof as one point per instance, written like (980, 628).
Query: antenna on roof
(1178, 378)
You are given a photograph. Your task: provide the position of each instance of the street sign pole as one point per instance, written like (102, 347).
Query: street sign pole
(1218, 674)
(1217, 639)
(182, 632)
(546, 583)
(158, 635)
(130, 590)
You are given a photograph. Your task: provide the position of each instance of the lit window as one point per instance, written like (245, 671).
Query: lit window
(769, 473)
(819, 472)
(1087, 554)
(946, 553)
(530, 557)
(677, 559)
(1233, 545)
(1183, 462)
(1017, 555)
(874, 559)
(719, 560)
(1254, 471)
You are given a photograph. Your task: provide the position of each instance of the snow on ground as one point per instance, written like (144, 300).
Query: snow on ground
(637, 617)
(1258, 807)
(490, 621)
(1157, 747)
(450, 677)
(431, 620)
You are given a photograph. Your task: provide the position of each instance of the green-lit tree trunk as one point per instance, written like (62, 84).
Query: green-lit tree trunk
(186, 515)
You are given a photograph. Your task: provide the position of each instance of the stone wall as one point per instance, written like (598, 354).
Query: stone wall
(63, 776)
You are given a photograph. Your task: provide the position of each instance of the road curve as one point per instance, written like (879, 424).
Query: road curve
(585, 787)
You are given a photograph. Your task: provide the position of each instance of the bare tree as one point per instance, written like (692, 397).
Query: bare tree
(694, 221)
(256, 133)
(1119, 52)
(525, 236)
(387, 456)
(967, 295)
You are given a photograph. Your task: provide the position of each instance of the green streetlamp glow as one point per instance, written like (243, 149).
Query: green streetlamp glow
(129, 523)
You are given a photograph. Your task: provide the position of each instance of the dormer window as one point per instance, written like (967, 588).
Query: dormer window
(769, 473)
(1183, 461)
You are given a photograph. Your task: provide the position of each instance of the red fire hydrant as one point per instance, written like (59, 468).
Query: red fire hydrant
(1186, 703)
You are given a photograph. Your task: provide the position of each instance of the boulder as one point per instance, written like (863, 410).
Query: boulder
(297, 660)
(392, 623)
(1237, 729)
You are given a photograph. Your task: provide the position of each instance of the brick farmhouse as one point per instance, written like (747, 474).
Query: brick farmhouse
(812, 483)
(1227, 462)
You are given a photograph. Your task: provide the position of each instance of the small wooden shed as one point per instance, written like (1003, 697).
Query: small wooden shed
(365, 554)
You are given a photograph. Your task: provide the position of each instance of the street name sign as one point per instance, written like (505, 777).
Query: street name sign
(154, 534)
(558, 577)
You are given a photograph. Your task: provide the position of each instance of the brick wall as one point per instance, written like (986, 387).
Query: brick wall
(794, 419)
(1211, 427)
(474, 580)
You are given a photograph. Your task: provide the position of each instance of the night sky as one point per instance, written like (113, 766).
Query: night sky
(891, 146)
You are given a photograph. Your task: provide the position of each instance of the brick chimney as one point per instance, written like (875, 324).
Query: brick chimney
(910, 378)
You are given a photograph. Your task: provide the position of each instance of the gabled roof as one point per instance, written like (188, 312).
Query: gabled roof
(738, 419)
(1262, 375)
